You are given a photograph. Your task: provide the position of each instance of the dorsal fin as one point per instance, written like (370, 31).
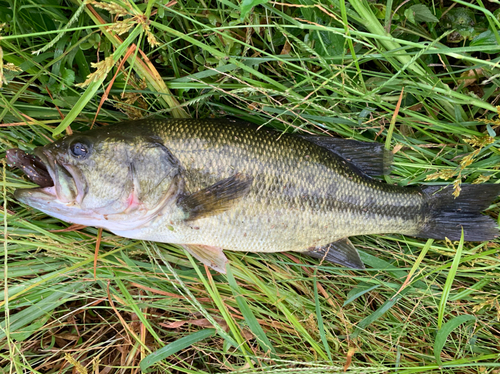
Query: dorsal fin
(370, 158)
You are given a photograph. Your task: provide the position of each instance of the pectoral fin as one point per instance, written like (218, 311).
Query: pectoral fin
(210, 256)
(340, 252)
(216, 198)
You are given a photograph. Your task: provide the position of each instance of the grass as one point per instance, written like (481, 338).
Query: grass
(306, 66)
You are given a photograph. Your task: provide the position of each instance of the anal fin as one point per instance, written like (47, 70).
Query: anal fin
(341, 252)
(213, 257)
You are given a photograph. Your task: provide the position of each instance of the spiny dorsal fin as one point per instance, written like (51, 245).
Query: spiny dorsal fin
(370, 158)
(211, 256)
(216, 198)
(340, 252)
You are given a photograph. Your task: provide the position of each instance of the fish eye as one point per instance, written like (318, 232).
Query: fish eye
(80, 149)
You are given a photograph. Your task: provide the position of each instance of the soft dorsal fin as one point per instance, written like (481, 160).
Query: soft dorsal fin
(370, 158)
(215, 198)
(340, 252)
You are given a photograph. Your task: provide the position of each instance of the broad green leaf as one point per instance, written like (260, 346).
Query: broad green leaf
(491, 132)
(247, 5)
(420, 13)
(328, 44)
(485, 38)
(410, 15)
(68, 76)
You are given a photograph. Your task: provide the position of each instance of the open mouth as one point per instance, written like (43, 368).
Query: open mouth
(59, 180)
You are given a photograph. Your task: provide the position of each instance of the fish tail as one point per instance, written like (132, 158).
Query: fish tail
(447, 216)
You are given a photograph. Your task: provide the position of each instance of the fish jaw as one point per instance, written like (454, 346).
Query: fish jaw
(63, 197)
(55, 198)
(135, 217)
(45, 199)
(69, 184)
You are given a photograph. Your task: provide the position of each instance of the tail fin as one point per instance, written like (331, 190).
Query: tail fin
(448, 215)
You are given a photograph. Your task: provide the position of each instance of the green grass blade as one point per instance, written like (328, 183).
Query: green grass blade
(449, 282)
(37, 309)
(363, 324)
(239, 341)
(250, 319)
(319, 318)
(175, 347)
(445, 331)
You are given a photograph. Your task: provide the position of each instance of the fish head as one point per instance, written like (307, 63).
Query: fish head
(105, 179)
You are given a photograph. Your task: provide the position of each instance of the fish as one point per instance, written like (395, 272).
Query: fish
(210, 185)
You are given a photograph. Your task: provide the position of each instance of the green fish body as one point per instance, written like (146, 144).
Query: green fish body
(211, 185)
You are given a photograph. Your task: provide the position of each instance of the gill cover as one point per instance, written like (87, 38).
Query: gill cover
(154, 170)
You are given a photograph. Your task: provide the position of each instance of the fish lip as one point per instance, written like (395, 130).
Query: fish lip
(49, 192)
(53, 168)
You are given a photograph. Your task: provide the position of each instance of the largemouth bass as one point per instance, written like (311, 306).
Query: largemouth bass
(210, 185)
